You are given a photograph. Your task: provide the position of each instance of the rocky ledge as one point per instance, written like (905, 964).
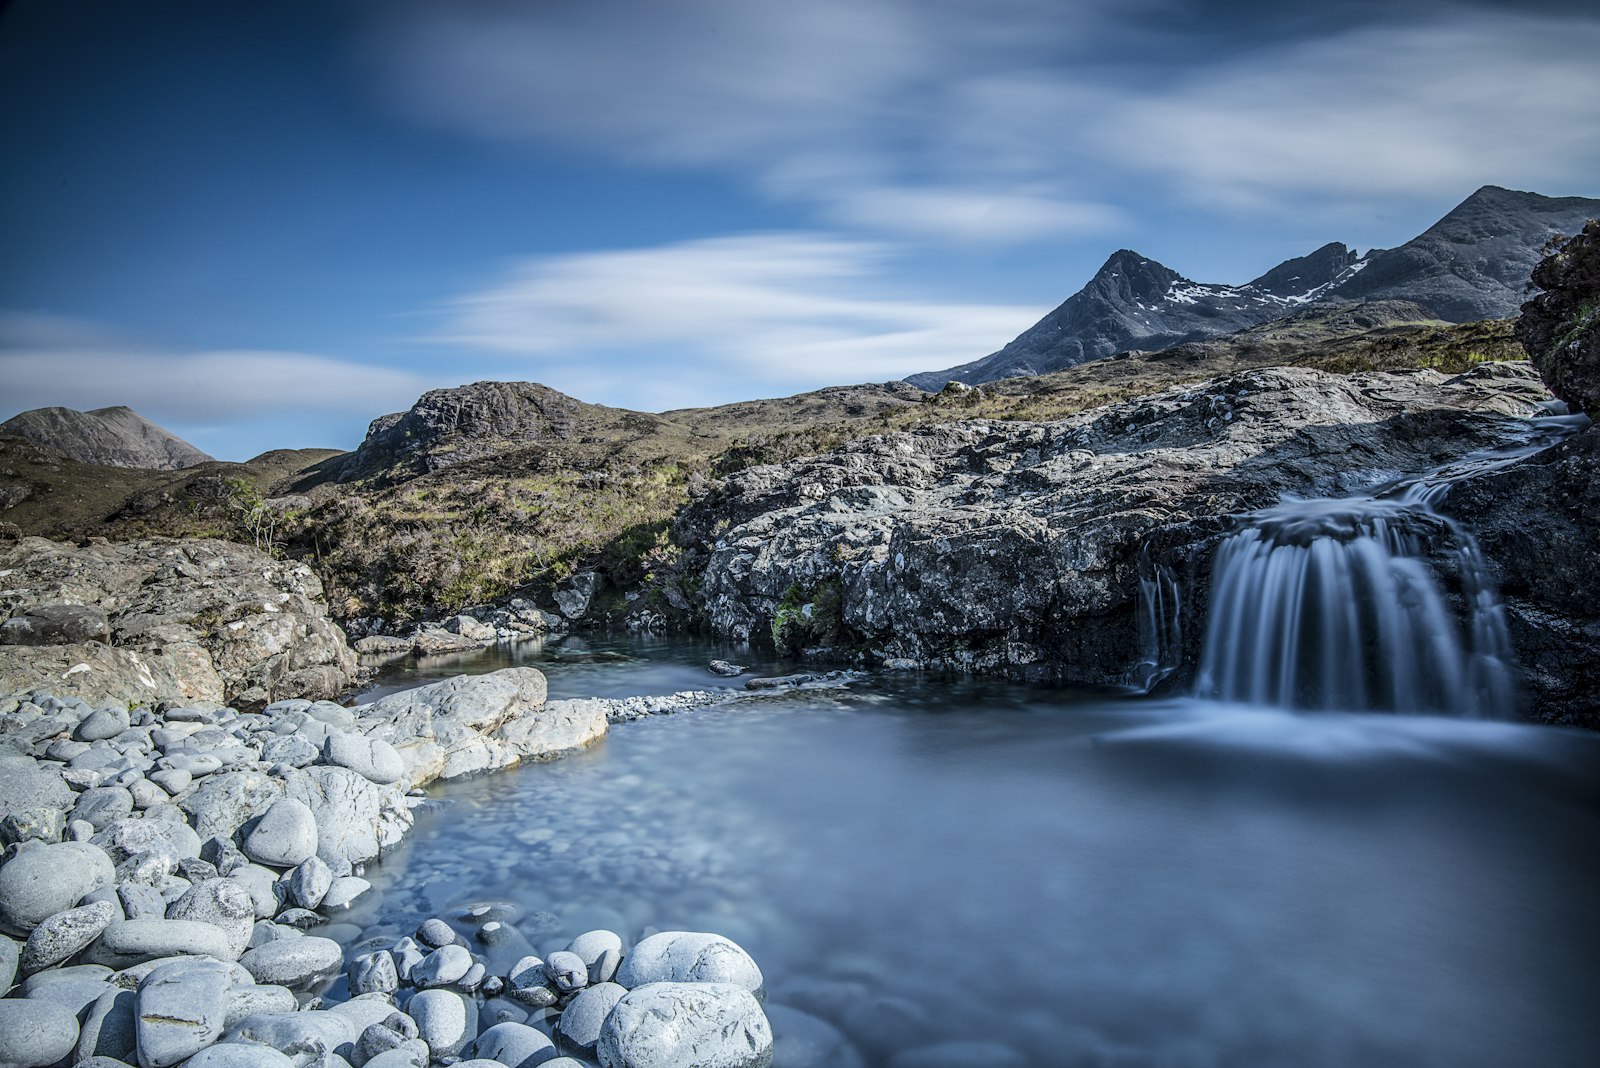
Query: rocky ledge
(169, 872)
(137, 622)
(1020, 548)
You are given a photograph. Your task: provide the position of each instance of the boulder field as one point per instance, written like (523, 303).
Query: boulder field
(168, 873)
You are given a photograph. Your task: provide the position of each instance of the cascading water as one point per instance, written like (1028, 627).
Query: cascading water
(1340, 604)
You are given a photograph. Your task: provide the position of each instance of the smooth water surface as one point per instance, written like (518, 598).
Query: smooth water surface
(1087, 880)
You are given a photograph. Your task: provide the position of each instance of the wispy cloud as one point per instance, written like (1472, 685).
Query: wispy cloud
(1012, 120)
(761, 311)
(50, 361)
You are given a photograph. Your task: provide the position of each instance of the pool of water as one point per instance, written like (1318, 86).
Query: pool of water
(1085, 880)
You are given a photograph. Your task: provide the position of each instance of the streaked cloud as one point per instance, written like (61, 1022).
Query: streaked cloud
(1015, 120)
(50, 361)
(760, 311)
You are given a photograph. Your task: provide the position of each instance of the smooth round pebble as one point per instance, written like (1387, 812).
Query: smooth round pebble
(581, 1019)
(514, 1045)
(294, 962)
(35, 1033)
(445, 1020)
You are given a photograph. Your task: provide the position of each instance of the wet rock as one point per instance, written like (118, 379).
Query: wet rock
(567, 971)
(373, 973)
(446, 1021)
(435, 933)
(686, 1025)
(600, 951)
(343, 891)
(308, 884)
(182, 1008)
(445, 966)
(48, 879)
(514, 1045)
(528, 983)
(724, 668)
(690, 957)
(801, 1040)
(582, 1018)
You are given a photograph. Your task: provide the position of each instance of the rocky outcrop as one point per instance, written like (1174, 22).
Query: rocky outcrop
(447, 427)
(192, 620)
(1019, 548)
(111, 437)
(1470, 265)
(1560, 327)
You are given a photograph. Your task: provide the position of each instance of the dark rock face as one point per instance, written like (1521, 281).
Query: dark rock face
(1560, 327)
(188, 620)
(453, 426)
(112, 437)
(55, 624)
(1018, 548)
(1536, 523)
(1470, 265)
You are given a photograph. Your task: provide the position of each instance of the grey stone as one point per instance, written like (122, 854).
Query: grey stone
(404, 1057)
(356, 818)
(686, 1025)
(290, 749)
(373, 973)
(377, 1039)
(128, 942)
(130, 977)
(343, 891)
(261, 884)
(223, 855)
(101, 724)
(224, 903)
(103, 805)
(75, 987)
(10, 958)
(567, 971)
(182, 1008)
(529, 984)
(600, 951)
(435, 933)
(285, 836)
(153, 833)
(584, 1014)
(514, 1045)
(65, 933)
(689, 957)
(372, 758)
(48, 879)
(140, 902)
(309, 882)
(367, 1009)
(145, 794)
(108, 1027)
(443, 967)
(446, 1021)
(294, 962)
(32, 824)
(35, 1034)
(257, 998)
(238, 1055)
(308, 1036)
(173, 780)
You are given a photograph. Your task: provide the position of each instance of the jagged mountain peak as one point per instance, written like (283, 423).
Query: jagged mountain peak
(1471, 264)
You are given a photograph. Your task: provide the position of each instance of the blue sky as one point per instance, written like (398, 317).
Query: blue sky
(264, 224)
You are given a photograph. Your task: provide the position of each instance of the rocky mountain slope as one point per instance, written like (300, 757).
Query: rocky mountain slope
(1471, 264)
(109, 437)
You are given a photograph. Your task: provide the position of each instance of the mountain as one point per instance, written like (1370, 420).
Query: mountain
(109, 437)
(1471, 264)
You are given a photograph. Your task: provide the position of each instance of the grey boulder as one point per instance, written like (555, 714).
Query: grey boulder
(514, 1045)
(446, 1021)
(125, 943)
(224, 903)
(239, 1055)
(47, 879)
(686, 1025)
(182, 1008)
(65, 933)
(690, 957)
(371, 758)
(286, 835)
(34, 1034)
(583, 1017)
(294, 962)
(108, 1027)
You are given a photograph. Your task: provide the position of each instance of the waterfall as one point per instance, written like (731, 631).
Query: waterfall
(1160, 625)
(1337, 605)
(1341, 604)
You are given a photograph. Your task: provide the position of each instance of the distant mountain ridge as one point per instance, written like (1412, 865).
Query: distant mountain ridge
(110, 437)
(1471, 264)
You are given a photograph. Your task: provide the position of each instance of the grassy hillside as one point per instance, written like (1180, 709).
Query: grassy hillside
(520, 515)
